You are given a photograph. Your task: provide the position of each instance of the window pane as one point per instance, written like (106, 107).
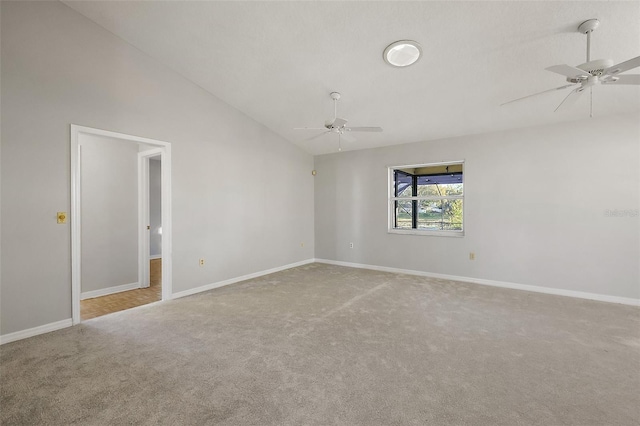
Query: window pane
(403, 213)
(426, 190)
(453, 189)
(440, 185)
(405, 192)
(440, 215)
(403, 184)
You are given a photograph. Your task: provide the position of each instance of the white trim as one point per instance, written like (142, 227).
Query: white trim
(492, 283)
(76, 240)
(428, 197)
(30, 332)
(211, 286)
(165, 222)
(109, 290)
(143, 214)
(143, 220)
(76, 202)
(155, 256)
(406, 231)
(124, 136)
(23, 334)
(438, 163)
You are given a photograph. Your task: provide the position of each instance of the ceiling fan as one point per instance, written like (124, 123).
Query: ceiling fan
(338, 125)
(591, 73)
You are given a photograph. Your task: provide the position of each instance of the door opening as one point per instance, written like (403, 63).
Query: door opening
(120, 185)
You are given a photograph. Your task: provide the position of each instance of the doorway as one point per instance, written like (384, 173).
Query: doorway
(120, 259)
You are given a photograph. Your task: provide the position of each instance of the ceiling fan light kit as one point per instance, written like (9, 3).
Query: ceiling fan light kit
(591, 73)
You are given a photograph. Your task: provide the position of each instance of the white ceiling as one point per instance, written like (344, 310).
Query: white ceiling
(278, 61)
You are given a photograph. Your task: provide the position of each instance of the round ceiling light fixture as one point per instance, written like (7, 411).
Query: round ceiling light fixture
(402, 53)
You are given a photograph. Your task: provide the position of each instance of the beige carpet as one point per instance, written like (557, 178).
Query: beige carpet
(322, 344)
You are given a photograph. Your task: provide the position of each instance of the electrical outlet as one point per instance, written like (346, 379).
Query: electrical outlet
(350, 245)
(201, 262)
(472, 256)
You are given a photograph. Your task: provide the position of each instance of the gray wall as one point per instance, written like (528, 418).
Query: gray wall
(535, 205)
(60, 68)
(109, 212)
(155, 211)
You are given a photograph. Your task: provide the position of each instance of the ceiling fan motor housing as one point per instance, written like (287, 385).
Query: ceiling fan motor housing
(594, 68)
(597, 66)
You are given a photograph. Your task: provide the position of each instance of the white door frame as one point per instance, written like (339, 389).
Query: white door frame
(76, 211)
(144, 245)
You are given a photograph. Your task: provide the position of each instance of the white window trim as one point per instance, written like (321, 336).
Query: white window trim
(391, 203)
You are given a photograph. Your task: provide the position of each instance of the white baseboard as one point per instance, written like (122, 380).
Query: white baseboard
(525, 287)
(108, 290)
(155, 256)
(23, 334)
(238, 279)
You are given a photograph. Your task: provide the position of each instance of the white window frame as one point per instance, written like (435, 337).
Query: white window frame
(392, 199)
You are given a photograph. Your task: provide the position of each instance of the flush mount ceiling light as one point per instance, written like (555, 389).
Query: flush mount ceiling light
(402, 53)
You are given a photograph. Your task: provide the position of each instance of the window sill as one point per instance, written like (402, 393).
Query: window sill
(454, 234)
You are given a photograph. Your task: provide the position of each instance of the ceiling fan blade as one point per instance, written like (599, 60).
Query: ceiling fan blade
(338, 122)
(317, 136)
(571, 98)
(540, 93)
(623, 66)
(625, 79)
(363, 129)
(568, 71)
(309, 128)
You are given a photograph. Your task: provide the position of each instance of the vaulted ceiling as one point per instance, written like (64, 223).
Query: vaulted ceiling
(278, 61)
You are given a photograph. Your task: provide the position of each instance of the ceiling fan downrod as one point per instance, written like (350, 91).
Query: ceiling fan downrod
(336, 97)
(587, 27)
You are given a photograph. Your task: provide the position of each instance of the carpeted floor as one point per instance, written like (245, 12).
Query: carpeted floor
(323, 344)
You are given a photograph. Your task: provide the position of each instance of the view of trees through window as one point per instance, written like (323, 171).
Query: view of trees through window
(428, 197)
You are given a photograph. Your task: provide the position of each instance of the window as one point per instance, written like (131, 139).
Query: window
(427, 199)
